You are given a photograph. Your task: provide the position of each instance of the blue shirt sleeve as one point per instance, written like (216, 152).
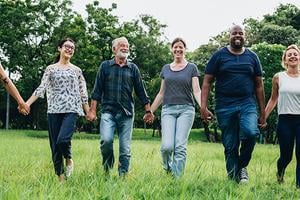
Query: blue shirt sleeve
(139, 86)
(212, 65)
(99, 84)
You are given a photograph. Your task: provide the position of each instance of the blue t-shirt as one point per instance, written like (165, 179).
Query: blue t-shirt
(234, 76)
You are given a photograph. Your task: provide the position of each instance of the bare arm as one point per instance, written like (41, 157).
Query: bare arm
(274, 96)
(196, 90)
(260, 95)
(13, 91)
(159, 97)
(206, 115)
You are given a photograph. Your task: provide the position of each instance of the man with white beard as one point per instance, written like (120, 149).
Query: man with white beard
(114, 85)
(239, 85)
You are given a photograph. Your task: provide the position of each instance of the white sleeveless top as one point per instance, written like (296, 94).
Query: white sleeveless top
(289, 94)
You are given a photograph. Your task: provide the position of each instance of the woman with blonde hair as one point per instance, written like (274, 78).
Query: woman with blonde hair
(286, 92)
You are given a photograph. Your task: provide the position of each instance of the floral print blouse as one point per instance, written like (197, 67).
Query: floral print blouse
(65, 87)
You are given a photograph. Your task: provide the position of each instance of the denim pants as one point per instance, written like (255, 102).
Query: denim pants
(61, 129)
(176, 123)
(288, 131)
(123, 124)
(239, 131)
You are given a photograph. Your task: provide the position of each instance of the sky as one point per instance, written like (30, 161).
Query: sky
(196, 21)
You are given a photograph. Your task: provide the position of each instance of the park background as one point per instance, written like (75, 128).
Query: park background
(29, 33)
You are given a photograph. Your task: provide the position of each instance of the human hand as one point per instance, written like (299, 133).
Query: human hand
(262, 123)
(24, 108)
(149, 117)
(206, 115)
(91, 115)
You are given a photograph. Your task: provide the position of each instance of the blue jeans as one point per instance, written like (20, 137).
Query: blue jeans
(124, 125)
(176, 123)
(239, 131)
(288, 131)
(61, 129)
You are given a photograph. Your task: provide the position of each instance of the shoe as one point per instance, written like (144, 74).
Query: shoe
(244, 178)
(279, 178)
(69, 169)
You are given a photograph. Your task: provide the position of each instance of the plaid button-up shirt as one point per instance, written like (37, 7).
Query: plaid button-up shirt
(114, 87)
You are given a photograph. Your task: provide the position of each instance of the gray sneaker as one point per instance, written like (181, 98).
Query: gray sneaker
(244, 177)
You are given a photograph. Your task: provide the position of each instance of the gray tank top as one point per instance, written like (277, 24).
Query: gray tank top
(178, 84)
(289, 94)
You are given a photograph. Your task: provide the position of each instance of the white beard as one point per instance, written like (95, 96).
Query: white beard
(121, 54)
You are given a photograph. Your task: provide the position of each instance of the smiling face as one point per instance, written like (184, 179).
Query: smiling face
(67, 49)
(121, 48)
(291, 57)
(237, 37)
(178, 50)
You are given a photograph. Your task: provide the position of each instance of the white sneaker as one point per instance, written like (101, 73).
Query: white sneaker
(244, 177)
(69, 170)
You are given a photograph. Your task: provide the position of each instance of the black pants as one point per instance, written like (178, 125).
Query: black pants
(61, 129)
(288, 131)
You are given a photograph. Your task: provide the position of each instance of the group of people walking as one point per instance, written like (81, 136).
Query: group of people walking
(237, 73)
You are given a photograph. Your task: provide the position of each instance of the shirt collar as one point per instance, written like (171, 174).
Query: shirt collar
(113, 62)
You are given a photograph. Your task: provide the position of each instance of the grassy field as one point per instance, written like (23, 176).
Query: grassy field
(26, 171)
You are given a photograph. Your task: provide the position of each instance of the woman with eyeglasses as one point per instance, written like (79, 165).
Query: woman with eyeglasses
(67, 98)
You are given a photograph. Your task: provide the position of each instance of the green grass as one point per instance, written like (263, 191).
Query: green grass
(26, 171)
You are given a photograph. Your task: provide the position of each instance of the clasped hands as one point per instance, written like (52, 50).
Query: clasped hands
(149, 118)
(24, 108)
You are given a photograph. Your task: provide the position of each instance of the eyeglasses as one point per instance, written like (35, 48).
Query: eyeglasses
(69, 47)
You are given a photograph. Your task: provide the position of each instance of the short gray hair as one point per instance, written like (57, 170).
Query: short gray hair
(116, 41)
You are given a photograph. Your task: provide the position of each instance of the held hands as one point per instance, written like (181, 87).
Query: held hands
(24, 108)
(149, 117)
(91, 115)
(262, 123)
(206, 115)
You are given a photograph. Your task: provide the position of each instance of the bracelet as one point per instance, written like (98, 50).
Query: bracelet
(148, 111)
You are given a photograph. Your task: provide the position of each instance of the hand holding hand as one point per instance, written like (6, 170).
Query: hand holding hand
(91, 115)
(24, 108)
(206, 115)
(149, 117)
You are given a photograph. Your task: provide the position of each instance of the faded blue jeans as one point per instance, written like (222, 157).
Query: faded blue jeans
(239, 131)
(124, 125)
(176, 123)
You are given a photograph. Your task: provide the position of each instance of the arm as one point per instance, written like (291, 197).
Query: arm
(260, 95)
(13, 91)
(274, 97)
(159, 97)
(83, 93)
(149, 117)
(196, 90)
(206, 115)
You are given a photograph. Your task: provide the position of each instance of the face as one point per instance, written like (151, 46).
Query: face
(121, 50)
(178, 50)
(292, 58)
(237, 37)
(67, 49)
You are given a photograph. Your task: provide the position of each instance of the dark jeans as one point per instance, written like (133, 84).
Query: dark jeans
(61, 129)
(239, 130)
(288, 130)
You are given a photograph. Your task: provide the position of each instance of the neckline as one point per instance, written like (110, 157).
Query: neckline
(181, 69)
(298, 75)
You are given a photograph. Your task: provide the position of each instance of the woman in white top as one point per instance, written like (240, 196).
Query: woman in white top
(66, 98)
(286, 91)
